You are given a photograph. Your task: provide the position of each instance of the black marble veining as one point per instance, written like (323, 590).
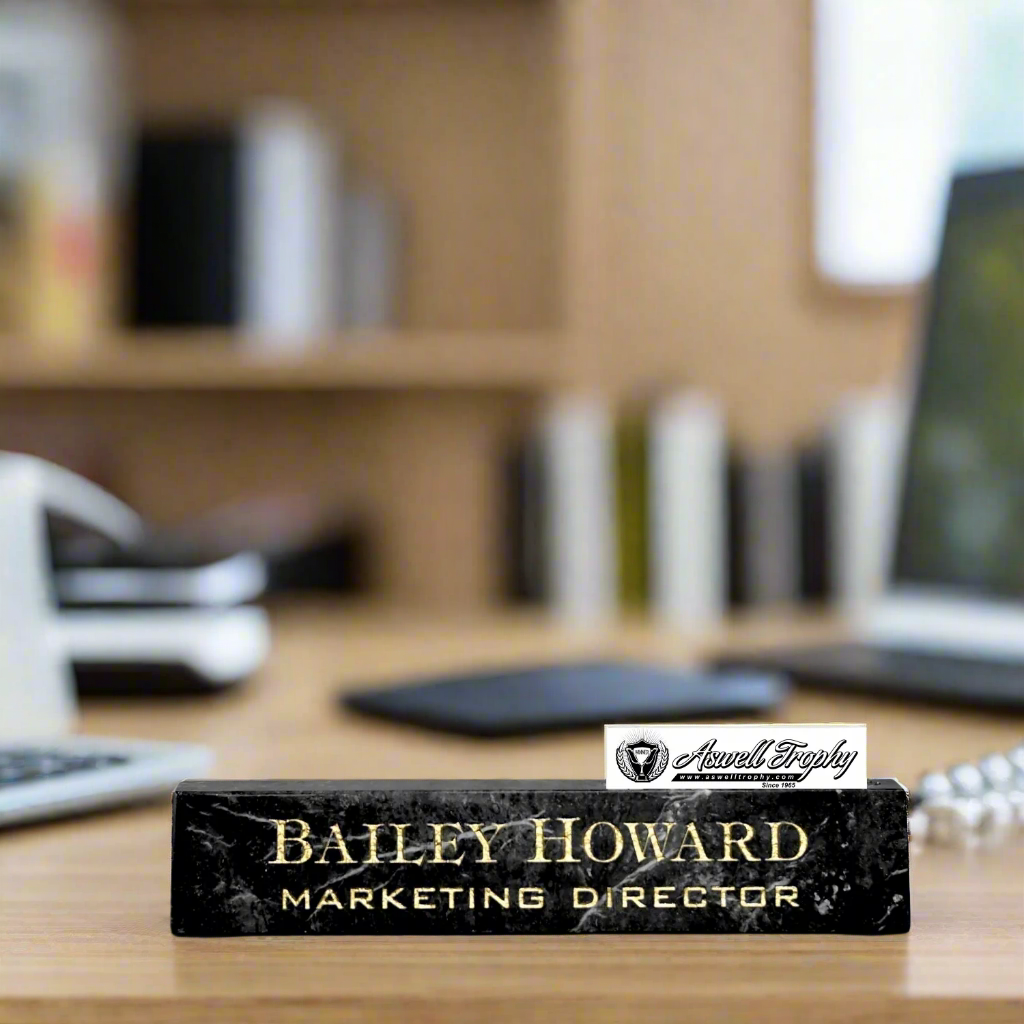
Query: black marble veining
(445, 858)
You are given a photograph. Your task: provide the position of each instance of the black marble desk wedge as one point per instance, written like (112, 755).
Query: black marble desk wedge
(497, 857)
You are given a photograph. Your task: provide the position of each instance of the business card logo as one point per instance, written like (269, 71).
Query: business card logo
(642, 756)
(785, 760)
(737, 756)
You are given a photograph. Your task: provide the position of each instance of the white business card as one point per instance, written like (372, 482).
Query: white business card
(735, 756)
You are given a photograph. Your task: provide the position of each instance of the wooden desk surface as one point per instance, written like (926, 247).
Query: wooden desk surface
(84, 905)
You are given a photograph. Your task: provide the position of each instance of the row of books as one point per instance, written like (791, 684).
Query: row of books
(253, 226)
(656, 511)
(256, 224)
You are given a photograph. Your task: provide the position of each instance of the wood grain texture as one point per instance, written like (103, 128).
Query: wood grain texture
(586, 35)
(450, 107)
(83, 917)
(700, 175)
(201, 5)
(222, 361)
(420, 468)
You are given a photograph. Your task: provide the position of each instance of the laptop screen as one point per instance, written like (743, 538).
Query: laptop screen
(962, 516)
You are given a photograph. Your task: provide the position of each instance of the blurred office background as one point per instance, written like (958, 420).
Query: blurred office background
(602, 305)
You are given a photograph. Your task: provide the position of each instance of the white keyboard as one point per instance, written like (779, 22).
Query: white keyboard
(72, 775)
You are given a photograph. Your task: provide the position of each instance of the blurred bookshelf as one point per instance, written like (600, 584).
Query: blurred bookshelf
(299, 4)
(577, 181)
(458, 110)
(513, 362)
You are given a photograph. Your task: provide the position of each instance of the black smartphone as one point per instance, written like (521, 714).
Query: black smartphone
(547, 698)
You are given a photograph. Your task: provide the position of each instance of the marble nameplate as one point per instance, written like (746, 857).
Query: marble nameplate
(455, 858)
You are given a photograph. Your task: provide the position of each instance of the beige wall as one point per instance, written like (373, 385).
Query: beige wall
(709, 218)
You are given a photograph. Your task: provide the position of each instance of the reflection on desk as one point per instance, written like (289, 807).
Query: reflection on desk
(84, 910)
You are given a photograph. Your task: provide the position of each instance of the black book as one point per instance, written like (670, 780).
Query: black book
(738, 591)
(184, 265)
(815, 524)
(525, 527)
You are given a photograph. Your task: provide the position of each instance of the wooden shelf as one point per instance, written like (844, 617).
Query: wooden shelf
(216, 361)
(297, 5)
(287, 4)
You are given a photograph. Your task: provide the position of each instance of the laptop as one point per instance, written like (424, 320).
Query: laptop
(950, 624)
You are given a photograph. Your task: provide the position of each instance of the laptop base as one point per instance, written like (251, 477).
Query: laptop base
(891, 672)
